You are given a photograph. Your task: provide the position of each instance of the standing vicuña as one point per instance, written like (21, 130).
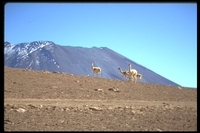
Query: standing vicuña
(96, 70)
(124, 73)
(132, 73)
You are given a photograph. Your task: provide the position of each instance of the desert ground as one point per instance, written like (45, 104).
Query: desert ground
(38, 100)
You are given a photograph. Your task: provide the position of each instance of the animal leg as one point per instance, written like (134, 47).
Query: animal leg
(135, 78)
(99, 74)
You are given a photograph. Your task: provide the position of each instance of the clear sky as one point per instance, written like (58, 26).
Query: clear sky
(159, 36)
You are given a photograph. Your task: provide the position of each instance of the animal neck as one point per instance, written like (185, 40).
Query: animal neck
(120, 70)
(129, 67)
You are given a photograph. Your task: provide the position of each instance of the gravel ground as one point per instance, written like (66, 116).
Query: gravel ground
(51, 101)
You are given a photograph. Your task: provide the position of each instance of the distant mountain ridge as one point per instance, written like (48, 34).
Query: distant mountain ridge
(46, 55)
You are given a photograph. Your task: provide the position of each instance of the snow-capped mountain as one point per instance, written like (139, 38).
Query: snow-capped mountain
(28, 55)
(46, 55)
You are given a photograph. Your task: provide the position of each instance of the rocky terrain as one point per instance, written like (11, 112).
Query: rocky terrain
(36, 100)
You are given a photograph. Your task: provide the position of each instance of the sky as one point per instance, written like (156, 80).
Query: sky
(159, 36)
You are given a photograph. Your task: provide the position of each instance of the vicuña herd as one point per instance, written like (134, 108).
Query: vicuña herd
(131, 73)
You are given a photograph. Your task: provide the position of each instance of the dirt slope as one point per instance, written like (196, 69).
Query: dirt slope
(51, 101)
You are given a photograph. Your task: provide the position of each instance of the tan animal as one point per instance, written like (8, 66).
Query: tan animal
(96, 70)
(124, 73)
(132, 73)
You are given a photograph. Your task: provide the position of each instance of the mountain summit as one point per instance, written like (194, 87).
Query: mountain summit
(46, 55)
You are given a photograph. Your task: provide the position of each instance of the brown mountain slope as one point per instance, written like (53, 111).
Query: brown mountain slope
(47, 101)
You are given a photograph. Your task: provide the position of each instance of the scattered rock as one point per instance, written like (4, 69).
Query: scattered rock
(133, 118)
(166, 105)
(21, 110)
(133, 112)
(61, 121)
(85, 105)
(63, 73)
(7, 90)
(66, 109)
(55, 72)
(110, 108)
(13, 106)
(54, 87)
(100, 90)
(126, 107)
(179, 88)
(32, 106)
(45, 71)
(95, 108)
(152, 109)
(140, 112)
(114, 89)
(158, 130)
(7, 122)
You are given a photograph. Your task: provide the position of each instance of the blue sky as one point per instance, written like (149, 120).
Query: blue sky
(159, 36)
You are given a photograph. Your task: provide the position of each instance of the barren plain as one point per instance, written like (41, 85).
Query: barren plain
(52, 101)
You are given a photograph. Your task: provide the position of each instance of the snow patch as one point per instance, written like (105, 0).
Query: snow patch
(39, 47)
(29, 66)
(24, 51)
(55, 63)
(9, 50)
(16, 65)
(37, 62)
